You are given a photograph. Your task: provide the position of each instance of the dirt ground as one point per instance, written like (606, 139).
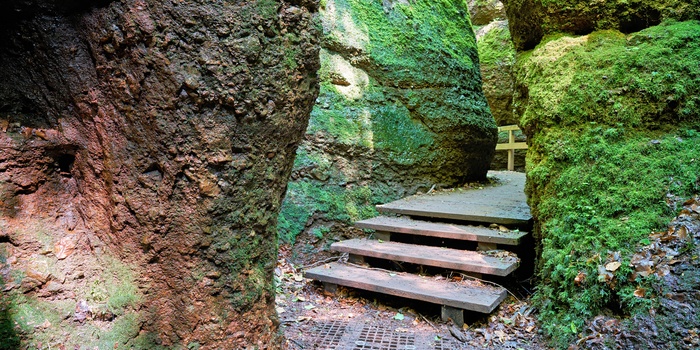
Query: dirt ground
(312, 318)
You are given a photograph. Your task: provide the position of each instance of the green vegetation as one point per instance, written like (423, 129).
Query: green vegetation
(601, 190)
(416, 43)
(305, 199)
(496, 48)
(9, 339)
(614, 130)
(116, 289)
(639, 81)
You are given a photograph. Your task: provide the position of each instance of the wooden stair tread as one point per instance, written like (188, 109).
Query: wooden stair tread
(462, 260)
(475, 298)
(442, 230)
(427, 206)
(502, 203)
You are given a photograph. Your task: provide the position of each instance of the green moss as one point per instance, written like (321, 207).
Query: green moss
(647, 80)
(122, 330)
(496, 48)
(305, 199)
(602, 190)
(612, 129)
(343, 119)
(428, 35)
(530, 20)
(115, 289)
(9, 339)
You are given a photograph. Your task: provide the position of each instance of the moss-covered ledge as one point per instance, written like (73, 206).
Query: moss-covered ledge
(614, 131)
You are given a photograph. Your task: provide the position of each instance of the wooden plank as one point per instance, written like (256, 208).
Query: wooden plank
(475, 298)
(510, 215)
(462, 260)
(508, 128)
(442, 230)
(508, 146)
(504, 203)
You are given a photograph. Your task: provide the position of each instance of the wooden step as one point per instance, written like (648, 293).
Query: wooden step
(481, 299)
(464, 207)
(503, 202)
(442, 230)
(462, 260)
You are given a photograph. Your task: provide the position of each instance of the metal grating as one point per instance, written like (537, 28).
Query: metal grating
(376, 338)
(446, 344)
(329, 334)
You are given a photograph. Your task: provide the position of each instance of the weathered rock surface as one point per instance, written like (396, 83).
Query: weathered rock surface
(483, 12)
(496, 61)
(497, 58)
(145, 148)
(401, 109)
(530, 20)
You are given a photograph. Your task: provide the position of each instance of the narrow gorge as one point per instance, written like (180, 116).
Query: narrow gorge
(162, 162)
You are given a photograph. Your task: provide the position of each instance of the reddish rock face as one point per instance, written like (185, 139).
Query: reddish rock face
(145, 148)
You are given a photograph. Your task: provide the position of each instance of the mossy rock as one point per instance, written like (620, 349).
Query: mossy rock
(612, 122)
(497, 58)
(531, 20)
(401, 108)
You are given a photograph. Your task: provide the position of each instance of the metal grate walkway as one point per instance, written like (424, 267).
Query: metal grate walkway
(341, 335)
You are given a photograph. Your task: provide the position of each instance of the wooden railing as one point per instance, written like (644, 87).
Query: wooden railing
(511, 146)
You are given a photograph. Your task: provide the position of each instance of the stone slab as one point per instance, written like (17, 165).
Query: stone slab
(482, 299)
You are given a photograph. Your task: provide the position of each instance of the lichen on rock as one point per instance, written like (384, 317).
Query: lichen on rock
(400, 109)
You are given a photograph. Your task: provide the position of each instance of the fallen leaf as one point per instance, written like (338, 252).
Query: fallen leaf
(399, 316)
(309, 306)
(640, 292)
(613, 266)
(501, 335)
(280, 310)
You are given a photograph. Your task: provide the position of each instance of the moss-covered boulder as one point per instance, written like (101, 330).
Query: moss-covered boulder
(530, 20)
(400, 109)
(613, 125)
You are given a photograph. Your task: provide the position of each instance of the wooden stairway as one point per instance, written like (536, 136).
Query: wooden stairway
(460, 213)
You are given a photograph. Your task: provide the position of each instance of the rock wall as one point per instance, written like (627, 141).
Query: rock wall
(612, 122)
(401, 109)
(496, 61)
(531, 20)
(146, 147)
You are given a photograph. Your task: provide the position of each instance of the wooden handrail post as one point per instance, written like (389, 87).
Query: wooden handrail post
(511, 152)
(511, 146)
